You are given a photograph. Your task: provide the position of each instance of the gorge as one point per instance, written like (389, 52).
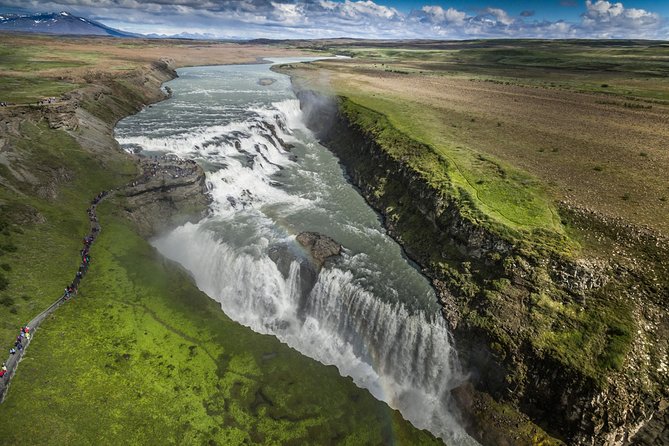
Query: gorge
(368, 311)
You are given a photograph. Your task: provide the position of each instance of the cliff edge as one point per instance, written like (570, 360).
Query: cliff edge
(543, 328)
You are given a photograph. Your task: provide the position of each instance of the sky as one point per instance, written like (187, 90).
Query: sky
(373, 19)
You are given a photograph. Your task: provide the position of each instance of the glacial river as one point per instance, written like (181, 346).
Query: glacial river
(370, 312)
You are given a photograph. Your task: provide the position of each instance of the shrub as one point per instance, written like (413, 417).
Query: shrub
(3, 282)
(6, 266)
(9, 247)
(6, 301)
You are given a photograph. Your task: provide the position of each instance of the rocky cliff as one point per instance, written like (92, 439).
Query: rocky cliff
(169, 193)
(166, 192)
(519, 309)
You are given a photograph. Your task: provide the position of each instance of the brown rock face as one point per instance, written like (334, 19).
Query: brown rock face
(319, 246)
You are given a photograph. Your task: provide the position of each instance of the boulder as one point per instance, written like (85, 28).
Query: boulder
(319, 246)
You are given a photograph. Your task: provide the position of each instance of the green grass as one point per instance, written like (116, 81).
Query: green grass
(35, 58)
(497, 194)
(142, 357)
(595, 336)
(21, 90)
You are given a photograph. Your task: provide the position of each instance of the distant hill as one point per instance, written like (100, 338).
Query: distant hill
(62, 23)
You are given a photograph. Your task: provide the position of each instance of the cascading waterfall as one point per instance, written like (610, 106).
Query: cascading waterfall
(369, 312)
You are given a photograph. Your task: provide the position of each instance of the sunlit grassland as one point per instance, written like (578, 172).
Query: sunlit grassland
(29, 73)
(506, 194)
(141, 356)
(636, 69)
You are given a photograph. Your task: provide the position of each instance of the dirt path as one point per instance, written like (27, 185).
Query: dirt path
(13, 361)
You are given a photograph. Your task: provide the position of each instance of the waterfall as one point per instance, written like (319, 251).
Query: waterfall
(403, 358)
(369, 313)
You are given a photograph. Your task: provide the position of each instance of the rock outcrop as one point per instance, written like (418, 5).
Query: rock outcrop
(315, 250)
(169, 193)
(320, 247)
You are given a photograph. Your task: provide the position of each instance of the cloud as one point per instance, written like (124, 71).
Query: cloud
(605, 19)
(438, 15)
(351, 18)
(499, 15)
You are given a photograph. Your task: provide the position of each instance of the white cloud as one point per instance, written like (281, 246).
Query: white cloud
(606, 19)
(500, 15)
(351, 18)
(288, 13)
(437, 14)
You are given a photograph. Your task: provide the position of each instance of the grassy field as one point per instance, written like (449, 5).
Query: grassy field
(525, 125)
(33, 67)
(140, 356)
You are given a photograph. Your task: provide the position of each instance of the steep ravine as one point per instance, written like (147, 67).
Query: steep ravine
(488, 284)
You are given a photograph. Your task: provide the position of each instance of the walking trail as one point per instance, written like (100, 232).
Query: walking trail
(156, 171)
(23, 340)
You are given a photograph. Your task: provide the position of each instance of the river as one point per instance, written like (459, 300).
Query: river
(370, 312)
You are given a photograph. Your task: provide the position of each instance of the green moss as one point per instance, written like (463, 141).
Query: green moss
(594, 336)
(180, 370)
(507, 201)
(21, 90)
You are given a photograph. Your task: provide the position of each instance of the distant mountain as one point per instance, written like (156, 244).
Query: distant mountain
(184, 35)
(62, 23)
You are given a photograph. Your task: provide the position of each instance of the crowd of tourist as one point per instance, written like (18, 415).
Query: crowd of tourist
(46, 101)
(167, 165)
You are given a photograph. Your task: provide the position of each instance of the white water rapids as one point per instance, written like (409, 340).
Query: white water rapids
(369, 313)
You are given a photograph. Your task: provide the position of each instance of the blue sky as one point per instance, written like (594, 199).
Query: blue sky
(402, 19)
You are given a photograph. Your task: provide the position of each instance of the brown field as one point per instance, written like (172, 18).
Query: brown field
(604, 152)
